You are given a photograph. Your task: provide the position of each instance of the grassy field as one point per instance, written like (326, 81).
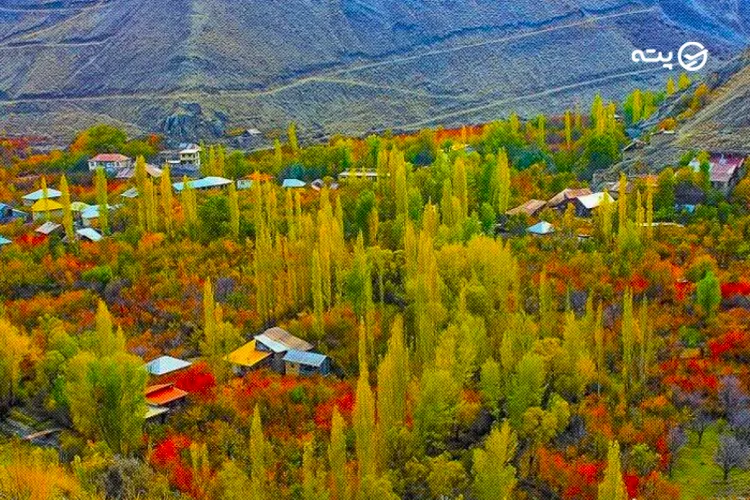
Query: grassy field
(700, 478)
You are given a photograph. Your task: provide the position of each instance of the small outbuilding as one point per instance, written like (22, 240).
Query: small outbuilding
(541, 228)
(48, 228)
(306, 363)
(166, 365)
(89, 234)
(293, 184)
(165, 395)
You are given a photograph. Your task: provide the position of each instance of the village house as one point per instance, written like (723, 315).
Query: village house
(110, 162)
(726, 172)
(586, 205)
(90, 215)
(184, 162)
(166, 366)
(203, 184)
(541, 228)
(278, 341)
(293, 184)
(561, 200)
(88, 234)
(530, 208)
(270, 349)
(129, 173)
(9, 214)
(49, 228)
(46, 208)
(358, 174)
(4, 242)
(165, 396)
(247, 358)
(31, 198)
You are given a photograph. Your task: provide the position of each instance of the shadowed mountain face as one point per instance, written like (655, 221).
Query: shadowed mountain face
(193, 68)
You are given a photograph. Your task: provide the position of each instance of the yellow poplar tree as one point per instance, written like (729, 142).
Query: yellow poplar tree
(67, 211)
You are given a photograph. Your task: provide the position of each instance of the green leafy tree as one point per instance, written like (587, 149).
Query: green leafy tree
(494, 477)
(107, 398)
(708, 295)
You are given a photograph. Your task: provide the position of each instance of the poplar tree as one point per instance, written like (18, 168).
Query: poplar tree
(622, 202)
(292, 134)
(494, 477)
(605, 218)
(363, 419)
(402, 202)
(546, 306)
(107, 341)
(220, 169)
(234, 212)
(649, 211)
(166, 198)
(278, 155)
(599, 345)
(149, 199)
(460, 186)
(209, 312)
(514, 123)
(337, 457)
(568, 129)
(101, 199)
(683, 82)
(645, 341)
(140, 183)
(612, 486)
(628, 336)
(67, 219)
(258, 448)
(393, 380)
(637, 106)
(210, 167)
(317, 294)
(542, 131)
(670, 86)
(189, 204)
(501, 197)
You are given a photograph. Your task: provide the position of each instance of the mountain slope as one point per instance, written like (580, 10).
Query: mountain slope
(332, 65)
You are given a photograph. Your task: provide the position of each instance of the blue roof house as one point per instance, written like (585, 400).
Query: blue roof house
(204, 183)
(293, 183)
(37, 195)
(164, 365)
(541, 228)
(4, 241)
(306, 363)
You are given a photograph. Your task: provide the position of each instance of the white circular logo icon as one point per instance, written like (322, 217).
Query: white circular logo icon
(692, 56)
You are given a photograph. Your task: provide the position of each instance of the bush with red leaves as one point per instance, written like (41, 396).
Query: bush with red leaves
(197, 380)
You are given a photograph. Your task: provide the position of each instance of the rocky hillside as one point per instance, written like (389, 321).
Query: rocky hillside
(192, 68)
